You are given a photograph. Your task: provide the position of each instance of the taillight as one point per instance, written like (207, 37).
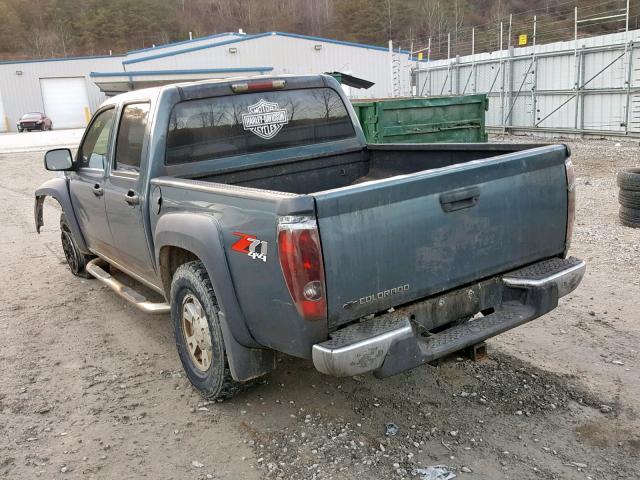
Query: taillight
(257, 86)
(301, 262)
(571, 203)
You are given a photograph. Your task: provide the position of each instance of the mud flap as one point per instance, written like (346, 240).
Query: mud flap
(245, 363)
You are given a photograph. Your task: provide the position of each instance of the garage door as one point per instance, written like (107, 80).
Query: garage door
(65, 101)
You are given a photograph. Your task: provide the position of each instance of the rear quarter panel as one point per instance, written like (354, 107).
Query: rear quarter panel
(265, 303)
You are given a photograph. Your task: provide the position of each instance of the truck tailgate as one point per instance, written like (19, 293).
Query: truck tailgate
(396, 240)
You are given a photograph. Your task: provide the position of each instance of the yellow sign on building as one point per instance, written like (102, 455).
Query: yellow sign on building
(522, 39)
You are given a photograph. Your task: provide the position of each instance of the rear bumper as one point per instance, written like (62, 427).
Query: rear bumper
(403, 339)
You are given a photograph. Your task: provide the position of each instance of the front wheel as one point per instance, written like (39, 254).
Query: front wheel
(196, 326)
(76, 260)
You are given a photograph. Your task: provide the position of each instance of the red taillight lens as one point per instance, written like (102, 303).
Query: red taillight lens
(301, 262)
(571, 203)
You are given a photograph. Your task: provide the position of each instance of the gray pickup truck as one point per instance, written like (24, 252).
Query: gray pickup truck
(256, 210)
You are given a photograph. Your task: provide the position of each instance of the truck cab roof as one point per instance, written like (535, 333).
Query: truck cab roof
(220, 86)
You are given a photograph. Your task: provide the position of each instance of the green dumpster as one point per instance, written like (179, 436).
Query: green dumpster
(453, 119)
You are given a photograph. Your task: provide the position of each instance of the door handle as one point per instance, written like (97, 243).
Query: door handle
(459, 199)
(98, 190)
(132, 198)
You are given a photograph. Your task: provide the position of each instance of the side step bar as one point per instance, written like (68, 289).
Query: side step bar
(128, 293)
(396, 341)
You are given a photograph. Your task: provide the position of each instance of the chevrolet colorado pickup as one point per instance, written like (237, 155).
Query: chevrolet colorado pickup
(256, 210)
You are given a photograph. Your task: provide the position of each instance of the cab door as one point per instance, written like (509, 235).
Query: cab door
(124, 193)
(86, 182)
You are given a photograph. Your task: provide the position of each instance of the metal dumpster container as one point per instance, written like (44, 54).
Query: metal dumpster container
(451, 119)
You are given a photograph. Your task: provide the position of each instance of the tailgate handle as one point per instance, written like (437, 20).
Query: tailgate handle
(459, 199)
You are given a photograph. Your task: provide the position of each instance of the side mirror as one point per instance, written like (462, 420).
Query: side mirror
(58, 160)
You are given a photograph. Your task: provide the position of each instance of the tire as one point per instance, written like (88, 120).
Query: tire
(76, 260)
(629, 198)
(629, 179)
(200, 345)
(20, 130)
(630, 217)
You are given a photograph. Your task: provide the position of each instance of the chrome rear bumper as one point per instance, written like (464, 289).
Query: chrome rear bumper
(390, 343)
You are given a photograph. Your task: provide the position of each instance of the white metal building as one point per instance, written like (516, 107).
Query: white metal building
(69, 89)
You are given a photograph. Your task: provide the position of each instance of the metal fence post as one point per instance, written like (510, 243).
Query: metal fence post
(629, 54)
(474, 72)
(534, 80)
(502, 77)
(391, 68)
(509, 74)
(581, 96)
(449, 60)
(576, 66)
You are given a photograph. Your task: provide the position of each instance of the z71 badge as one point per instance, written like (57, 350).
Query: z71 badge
(251, 246)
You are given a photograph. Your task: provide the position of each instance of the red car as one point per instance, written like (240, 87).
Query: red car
(34, 121)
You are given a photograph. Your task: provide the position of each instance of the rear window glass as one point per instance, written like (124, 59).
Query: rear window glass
(254, 122)
(131, 136)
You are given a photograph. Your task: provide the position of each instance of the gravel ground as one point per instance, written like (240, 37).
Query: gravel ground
(92, 388)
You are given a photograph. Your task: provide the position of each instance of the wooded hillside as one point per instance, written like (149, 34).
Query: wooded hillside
(52, 28)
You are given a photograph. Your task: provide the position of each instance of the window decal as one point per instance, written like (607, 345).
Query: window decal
(265, 119)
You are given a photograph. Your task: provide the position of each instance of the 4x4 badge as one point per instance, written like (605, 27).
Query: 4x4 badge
(265, 119)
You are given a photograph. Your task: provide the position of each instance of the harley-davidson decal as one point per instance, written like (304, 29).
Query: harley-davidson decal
(265, 119)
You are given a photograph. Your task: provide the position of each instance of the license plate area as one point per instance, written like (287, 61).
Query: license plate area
(437, 311)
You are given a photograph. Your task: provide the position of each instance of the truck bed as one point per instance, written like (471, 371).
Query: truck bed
(401, 222)
(321, 173)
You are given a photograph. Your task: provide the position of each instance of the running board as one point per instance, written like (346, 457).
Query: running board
(127, 293)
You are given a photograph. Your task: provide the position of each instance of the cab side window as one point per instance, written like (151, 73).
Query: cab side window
(93, 151)
(131, 137)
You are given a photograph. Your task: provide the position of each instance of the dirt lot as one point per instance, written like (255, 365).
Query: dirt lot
(91, 388)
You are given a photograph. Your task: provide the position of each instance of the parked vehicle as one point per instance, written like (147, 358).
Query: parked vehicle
(34, 121)
(256, 208)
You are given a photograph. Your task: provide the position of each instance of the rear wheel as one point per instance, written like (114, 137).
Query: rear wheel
(196, 326)
(76, 260)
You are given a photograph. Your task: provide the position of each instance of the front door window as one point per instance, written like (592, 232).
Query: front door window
(94, 149)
